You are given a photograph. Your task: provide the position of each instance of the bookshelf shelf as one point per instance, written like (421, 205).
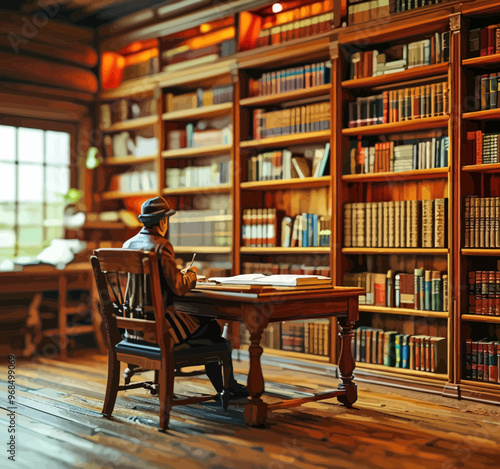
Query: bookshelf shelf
(131, 124)
(481, 384)
(488, 114)
(487, 61)
(286, 353)
(198, 190)
(204, 112)
(403, 311)
(293, 139)
(398, 127)
(404, 371)
(481, 252)
(421, 251)
(135, 87)
(323, 90)
(110, 195)
(197, 152)
(295, 183)
(129, 160)
(202, 249)
(428, 71)
(482, 168)
(280, 250)
(434, 173)
(481, 318)
(103, 225)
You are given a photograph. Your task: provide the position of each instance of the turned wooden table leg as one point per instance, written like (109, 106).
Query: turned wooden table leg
(255, 413)
(347, 364)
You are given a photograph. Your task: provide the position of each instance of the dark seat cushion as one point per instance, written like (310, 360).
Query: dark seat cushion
(194, 347)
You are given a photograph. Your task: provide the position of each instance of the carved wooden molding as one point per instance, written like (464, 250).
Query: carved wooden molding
(334, 50)
(455, 21)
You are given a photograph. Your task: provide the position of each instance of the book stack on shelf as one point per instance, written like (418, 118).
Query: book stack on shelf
(484, 293)
(138, 180)
(390, 348)
(408, 155)
(266, 228)
(219, 94)
(283, 164)
(482, 222)
(208, 175)
(482, 148)
(482, 360)
(285, 269)
(264, 27)
(484, 41)
(395, 224)
(360, 11)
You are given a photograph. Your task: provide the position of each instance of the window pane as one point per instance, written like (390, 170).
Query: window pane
(54, 233)
(31, 236)
(7, 215)
(8, 184)
(57, 183)
(30, 183)
(8, 139)
(30, 213)
(7, 238)
(54, 212)
(57, 148)
(30, 143)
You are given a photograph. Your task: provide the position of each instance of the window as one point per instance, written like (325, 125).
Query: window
(35, 176)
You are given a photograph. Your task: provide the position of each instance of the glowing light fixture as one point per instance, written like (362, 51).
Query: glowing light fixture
(277, 7)
(204, 28)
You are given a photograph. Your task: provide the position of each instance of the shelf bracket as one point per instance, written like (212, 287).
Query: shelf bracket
(455, 21)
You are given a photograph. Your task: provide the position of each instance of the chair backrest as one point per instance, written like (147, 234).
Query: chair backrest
(112, 270)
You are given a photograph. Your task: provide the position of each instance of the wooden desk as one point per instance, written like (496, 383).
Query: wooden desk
(256, 310)
(39, 279)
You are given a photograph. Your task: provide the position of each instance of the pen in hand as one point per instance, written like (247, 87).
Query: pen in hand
(189, 266)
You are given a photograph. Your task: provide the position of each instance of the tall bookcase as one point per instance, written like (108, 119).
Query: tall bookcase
(328, 194)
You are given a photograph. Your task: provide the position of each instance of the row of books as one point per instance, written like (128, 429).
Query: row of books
(284, 269)
(183, 56)
(139, 143)
(260, 229)
(483, 148)
(295, 30)
(482, 222)
(484, 41)
(290, 79)
(123, 109)
(424, 290)
(482, 360)
(199, 176)
(282, 164)
(148, 67)
(305, 337)
(310, 118)
(389, 156)
(219, 94)
(192, 138)
(415, 54)
(484, 292)
(396, 224)
(390, 348)
(416, 102)
(201, 228)
(486, 86)
(136, 181)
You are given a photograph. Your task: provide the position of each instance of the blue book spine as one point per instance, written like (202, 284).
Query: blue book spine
(305, 224)
(405, 352)
(310, 230)
(189, 135)
(315, 230)
(427, 294)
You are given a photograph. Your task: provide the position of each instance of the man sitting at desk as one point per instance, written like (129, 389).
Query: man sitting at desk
(154, 215)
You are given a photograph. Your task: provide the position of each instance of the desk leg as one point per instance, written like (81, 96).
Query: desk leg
(255, 413)
(347, 364)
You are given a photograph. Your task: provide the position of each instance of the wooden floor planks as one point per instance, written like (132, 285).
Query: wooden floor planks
(59, 425)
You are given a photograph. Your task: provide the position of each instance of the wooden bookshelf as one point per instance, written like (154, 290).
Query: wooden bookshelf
(323, 90)
(417, 174)
(280, 250)
(202, 249)
(131, 124)
(387, 251)
(488, 114)
(286, 140)
(286, 353)
(482, 168)
(403, 371)
(205, 112)
(295, 183)
(481, 252)
(403, 311)
(113, 195)
(197, 152)
(481, 318)
(487, 61)
(417, 73)
(129, 160)
(221, 188)
(398, 127)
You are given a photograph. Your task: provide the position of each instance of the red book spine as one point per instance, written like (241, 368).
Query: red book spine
(484, 42)
(497, 293)
(472, 293)
(385, 105)
(491, 292)
(479, 302)
(484, 292)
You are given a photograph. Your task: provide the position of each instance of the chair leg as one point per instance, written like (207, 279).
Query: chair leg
(226, 370)
(112, 384)
(166, 394)
(129, 372)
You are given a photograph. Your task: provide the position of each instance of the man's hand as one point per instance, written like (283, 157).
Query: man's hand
(191, 269)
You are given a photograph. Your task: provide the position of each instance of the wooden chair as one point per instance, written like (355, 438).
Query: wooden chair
(156, 351)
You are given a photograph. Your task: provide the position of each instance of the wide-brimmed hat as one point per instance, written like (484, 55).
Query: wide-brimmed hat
(154, 210)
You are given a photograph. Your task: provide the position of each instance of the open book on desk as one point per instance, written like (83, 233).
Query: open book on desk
(273, 280)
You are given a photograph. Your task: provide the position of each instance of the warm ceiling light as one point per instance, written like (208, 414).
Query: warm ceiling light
(277, 7)
(204, 28)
